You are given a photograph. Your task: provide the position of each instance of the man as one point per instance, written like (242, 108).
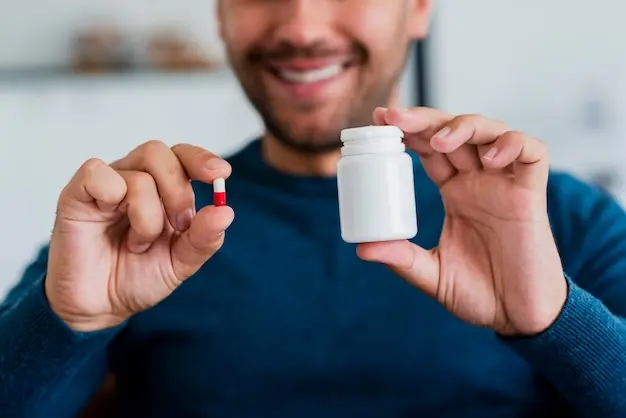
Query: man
(514, 291)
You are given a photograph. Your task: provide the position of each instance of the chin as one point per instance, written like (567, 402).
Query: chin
(306, 131)
(307, 137)
(312, 147)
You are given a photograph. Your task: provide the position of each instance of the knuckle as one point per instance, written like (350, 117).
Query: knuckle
(178, 147)
(173, 167)
(467, 123)
(146, 217)
(96, 173)
(514, 137)
(154, 145)
(467, 119)
(477, 121)
(180, 198)
(140, 181)
(186, 151)
(518, 134)
(190, 151)
(149, 151)
(113, 188)
(91, 164)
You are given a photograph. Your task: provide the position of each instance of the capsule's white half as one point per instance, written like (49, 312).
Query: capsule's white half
(219, 185)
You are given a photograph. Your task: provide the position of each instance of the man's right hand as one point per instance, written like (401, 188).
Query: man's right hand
(127, 234)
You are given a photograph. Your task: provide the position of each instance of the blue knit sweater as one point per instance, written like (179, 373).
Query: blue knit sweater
(286, 321)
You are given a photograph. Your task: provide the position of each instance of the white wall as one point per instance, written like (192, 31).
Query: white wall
(550, 68)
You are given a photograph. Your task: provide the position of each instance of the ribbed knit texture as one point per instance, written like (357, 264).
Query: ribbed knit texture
(568, 354)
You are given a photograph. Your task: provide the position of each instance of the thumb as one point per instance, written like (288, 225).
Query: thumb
(414, 264)
(201, 241)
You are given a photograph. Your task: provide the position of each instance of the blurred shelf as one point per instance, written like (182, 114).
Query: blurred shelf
(65, 76)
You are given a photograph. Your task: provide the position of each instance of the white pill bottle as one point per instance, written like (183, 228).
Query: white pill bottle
(376, 186)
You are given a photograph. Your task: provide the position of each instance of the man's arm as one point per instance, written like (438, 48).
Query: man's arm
(46, 368)
(583, 354)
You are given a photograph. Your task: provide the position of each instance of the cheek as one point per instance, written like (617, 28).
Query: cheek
(241, 28)
(380, 26)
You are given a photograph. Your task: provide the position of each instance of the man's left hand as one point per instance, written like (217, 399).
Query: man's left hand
(496, 264)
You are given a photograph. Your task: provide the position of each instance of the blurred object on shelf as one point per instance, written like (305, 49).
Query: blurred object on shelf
(169, 50)
(100, 49)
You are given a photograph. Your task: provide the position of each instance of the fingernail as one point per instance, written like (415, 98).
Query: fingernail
(490, 154)
(183, 220)
(215, 164)
(443, 133)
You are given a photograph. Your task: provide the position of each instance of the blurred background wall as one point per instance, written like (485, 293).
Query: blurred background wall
(555, 69)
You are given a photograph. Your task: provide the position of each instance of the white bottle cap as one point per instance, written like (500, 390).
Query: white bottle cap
(371, 132)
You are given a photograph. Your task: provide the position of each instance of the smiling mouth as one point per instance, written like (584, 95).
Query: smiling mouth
(309, 75)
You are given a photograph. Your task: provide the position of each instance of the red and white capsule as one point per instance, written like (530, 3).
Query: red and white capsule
(219, 192)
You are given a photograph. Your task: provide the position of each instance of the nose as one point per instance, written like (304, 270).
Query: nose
(303, 22)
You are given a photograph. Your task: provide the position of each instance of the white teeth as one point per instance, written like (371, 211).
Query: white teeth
(311, 76)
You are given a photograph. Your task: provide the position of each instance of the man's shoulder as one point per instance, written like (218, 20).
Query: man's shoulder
(568, 193)
(565, 181)
(584, 218)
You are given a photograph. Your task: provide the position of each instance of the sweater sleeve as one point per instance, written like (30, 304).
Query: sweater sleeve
(583, 354)
(45, 366)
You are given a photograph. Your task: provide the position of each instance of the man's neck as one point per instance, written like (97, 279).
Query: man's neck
(291, 161)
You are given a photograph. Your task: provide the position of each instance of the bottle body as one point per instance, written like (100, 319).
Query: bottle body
(376, 192)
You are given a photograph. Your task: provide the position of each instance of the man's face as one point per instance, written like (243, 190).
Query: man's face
(314, 67)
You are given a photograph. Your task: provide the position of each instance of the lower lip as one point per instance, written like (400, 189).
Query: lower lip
(307, 91)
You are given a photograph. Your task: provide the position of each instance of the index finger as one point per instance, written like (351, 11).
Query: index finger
(470, 129)
(172, 168)
(416, 122)
(201, 164)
